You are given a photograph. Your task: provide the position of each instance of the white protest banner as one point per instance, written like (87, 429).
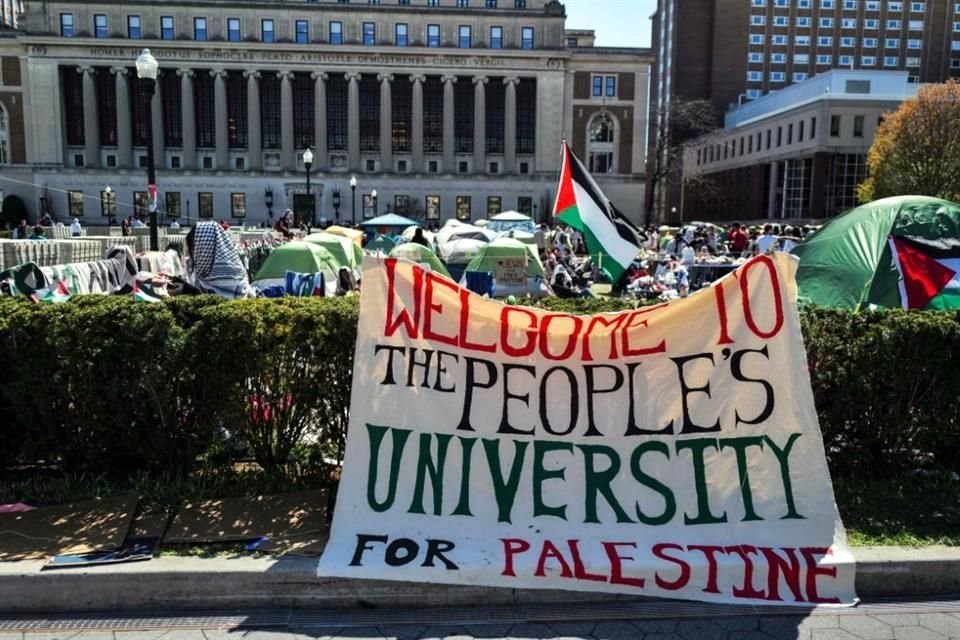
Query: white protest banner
(669, 451)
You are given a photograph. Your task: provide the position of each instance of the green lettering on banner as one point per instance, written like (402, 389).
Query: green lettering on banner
(426, 465)
(463, 504)
(783, 456)
(376, 439)
(540, 475)
(598, 482)
(505, 490)
(740, 445)
(696, 448)
(669, 501)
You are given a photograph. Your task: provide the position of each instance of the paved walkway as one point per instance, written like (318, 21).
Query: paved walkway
(889, 621)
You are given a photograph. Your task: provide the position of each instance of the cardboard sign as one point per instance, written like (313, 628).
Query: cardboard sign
(511, 271)
(669, 451)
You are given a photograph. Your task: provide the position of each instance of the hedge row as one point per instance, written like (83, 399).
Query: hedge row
(101, 383)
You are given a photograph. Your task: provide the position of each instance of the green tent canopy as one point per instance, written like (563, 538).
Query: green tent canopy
(420, 254)
(486, 258)
(848, 263)
(301, 257)
(343, 250)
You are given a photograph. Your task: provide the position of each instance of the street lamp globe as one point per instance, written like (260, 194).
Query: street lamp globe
(373, 194)
(308, 157)
(147, 66)
(353, 182)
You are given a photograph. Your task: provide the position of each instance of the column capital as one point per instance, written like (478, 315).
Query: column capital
(119, 71)
(449, 79)
(185, 73)
(320, 75)
(385, 77)
(419, 77)
(285, 75)
(511, 80)
(352, 76)
(218, 73)
(87, 70)
(480, 79)
(252, 74)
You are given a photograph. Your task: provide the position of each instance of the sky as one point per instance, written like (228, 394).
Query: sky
(618, 23)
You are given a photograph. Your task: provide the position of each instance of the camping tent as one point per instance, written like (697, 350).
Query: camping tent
(421, 255)
(353, 234)
(408, 233)
(502, 257)
(300, 257)
(343, 250)
(380, 243)
(510, 221)
(390, 220)
(456, 232)
(457, 254)
(849, 264)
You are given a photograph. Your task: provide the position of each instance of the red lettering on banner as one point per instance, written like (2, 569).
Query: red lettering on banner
(579, 571)
(511, 547)
(616, 567)
(616, 323)
(411, 324)
(571, 340)
(747, 590)
(465, 326)
(777, 298)
(528, 348)
(777, 566)
(708, 551)
(813, 570)
(428, 332)
(683, 578)
(640, 351)
(547, 552)
(722, 313)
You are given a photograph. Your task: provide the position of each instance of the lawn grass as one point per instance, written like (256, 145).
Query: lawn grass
(910, 511)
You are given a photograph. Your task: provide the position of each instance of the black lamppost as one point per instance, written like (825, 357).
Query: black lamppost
(308, 163)
(373, 202)
(336, 204)
(188, 212)
(147, 68)
(268, 200)
(353, 207)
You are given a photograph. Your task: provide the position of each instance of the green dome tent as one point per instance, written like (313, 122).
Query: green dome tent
(301, 257)
(849, 264)
(380, 243)
(499, 258)
(343, 250)
(421, 255)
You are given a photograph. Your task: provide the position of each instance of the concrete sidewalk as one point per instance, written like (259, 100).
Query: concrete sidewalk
(254, 582)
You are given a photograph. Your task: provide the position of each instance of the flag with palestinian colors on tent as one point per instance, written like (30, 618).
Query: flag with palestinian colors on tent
(929, 272)
(612, 240)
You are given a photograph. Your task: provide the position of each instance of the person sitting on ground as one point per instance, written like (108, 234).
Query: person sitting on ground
(282, 226)
(46, 220)
(174, 224)
(215, 265)
(75, 230)
(419, 238)
(38, 233)
(137, 223)
(22, 232)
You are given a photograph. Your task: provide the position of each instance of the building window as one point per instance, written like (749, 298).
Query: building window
(858, 126)
(463, 4)
(368, 206)
(463, 166)
(170, 87)
(527, 116)
(369, 33)
(400, 34)
(433, 35)
(172, 201)
(205, 204)
(494, 206)
(370, 113)
(465, 41)
(108, 203)
(496, 37)
(463, 208)
(611, 86)
(491, 4)
(199, 28)
(463, 100)
(302, 31)
(72, 84)
(525, 205)
(107, 107)
(602, 142)
(337, 112)
(233, 29)
(303, 111)
(133, 28)
(433, 3)
(238, 205)
(433, 166)
(432, 207)
(597, 86)
(336, 32)
(66, 25)
(100, 26)
(75, 202)
(266, 30)
(496, 118)
(141, 203)
(433, 115)
(813, 128)
(204, 107)
(401, 204)
(271, 112)
(237, 134)
(519, 4)
(835, 126)
(526, 38)
(402, 99)
(166, 28)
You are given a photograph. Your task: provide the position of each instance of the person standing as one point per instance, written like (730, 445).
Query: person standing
(766, 241)
(737, 239)
(22, 232)
(75, 230)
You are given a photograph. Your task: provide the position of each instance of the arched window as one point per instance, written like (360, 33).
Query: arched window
(602, 141)
(4, 158)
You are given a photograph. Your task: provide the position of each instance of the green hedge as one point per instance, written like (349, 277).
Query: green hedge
(101, 383)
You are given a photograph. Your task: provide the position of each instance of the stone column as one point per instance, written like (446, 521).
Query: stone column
(220, 118)
(448, 131)
(156, 122)
(386, 122)
(189, 127)
(772, 193)
(321, 155)
(254, 135)
(353, 121)
(510, 126)
(91, 118)
(480, 124)
(288, 154)
(124, 131)
(417, 122)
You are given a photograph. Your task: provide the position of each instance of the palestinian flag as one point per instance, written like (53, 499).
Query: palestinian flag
(929, 272)
(611, 239)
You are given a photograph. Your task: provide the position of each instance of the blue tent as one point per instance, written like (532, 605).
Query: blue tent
(389, 220)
